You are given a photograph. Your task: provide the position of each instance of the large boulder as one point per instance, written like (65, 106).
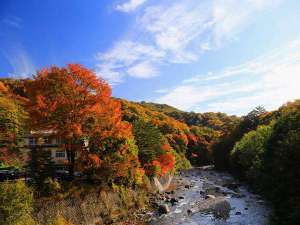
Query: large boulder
(219, 206)
(221, 209)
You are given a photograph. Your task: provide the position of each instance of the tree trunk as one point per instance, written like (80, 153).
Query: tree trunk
(72, 164)
(71, 159)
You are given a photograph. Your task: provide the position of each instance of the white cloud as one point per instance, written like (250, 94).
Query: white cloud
(109, 73)
(142, 70)
(128, 58)
(128, 52)
(130, 5)
(269, 80)
(21, 63)
(175, 31)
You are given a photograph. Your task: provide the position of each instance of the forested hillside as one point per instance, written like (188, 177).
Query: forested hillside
(263, 150)
(129, 143)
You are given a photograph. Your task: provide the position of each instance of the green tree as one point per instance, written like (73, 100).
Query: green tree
(247, 154)
(282, 168)
(223, 147)
(149, 141)
(252, 119)
(15, 204)
(41, 166)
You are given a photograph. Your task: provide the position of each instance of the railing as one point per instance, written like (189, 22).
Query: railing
(41, 145)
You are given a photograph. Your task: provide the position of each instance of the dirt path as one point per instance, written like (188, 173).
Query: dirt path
(202, 196)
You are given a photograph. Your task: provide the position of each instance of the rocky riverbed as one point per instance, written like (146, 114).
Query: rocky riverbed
(202, 196)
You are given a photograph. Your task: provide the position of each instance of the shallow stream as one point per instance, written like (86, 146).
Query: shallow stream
(207, 197)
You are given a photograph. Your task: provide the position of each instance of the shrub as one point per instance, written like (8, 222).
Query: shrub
(15, 204)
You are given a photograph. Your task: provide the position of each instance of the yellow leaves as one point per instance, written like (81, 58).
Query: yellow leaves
(139, 175)
(60, 220)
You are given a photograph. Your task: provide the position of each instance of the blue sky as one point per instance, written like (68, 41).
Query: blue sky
(197, 55)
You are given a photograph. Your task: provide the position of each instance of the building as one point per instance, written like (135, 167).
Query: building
(49, 141)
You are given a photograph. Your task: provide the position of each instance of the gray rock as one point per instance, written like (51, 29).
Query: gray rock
(190, 211)
(238, 195)
(173, 201)
(210, 197)
(163, 209)
(232, 186)
(221, 210)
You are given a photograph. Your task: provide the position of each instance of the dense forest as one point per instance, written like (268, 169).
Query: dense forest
(129, 143)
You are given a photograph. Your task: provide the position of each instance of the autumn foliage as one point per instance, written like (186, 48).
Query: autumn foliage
(63, 99)
(77, 106)
(12, 126)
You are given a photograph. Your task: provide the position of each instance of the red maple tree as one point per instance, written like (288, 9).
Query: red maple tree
(74, 103)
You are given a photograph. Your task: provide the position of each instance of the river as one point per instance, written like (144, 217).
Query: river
(202, 196)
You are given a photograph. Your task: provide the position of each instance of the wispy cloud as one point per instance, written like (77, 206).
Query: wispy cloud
(12, 21)
(175, 31)
(269, 80)
(143, 70)
(128, 58)
(20, 62)
(130, 5)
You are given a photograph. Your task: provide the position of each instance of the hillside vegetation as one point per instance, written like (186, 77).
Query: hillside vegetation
(132, 142)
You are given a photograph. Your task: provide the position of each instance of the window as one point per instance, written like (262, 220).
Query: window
(31, 141)
(46, 140)
(60, 154)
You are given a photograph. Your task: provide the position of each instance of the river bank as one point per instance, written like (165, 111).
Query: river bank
(205, 196)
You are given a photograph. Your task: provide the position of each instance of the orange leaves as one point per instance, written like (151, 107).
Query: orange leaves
(167, 162)
(75, 103)
(161, 166)
(181, 139)
(53, 106)
(126, 163)
(76, 129)
(192, 138)
(3, 89)
(89, 161)
(40, 101)
(64, 98)
(94, 159)
(155, 163)
(166, 147)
